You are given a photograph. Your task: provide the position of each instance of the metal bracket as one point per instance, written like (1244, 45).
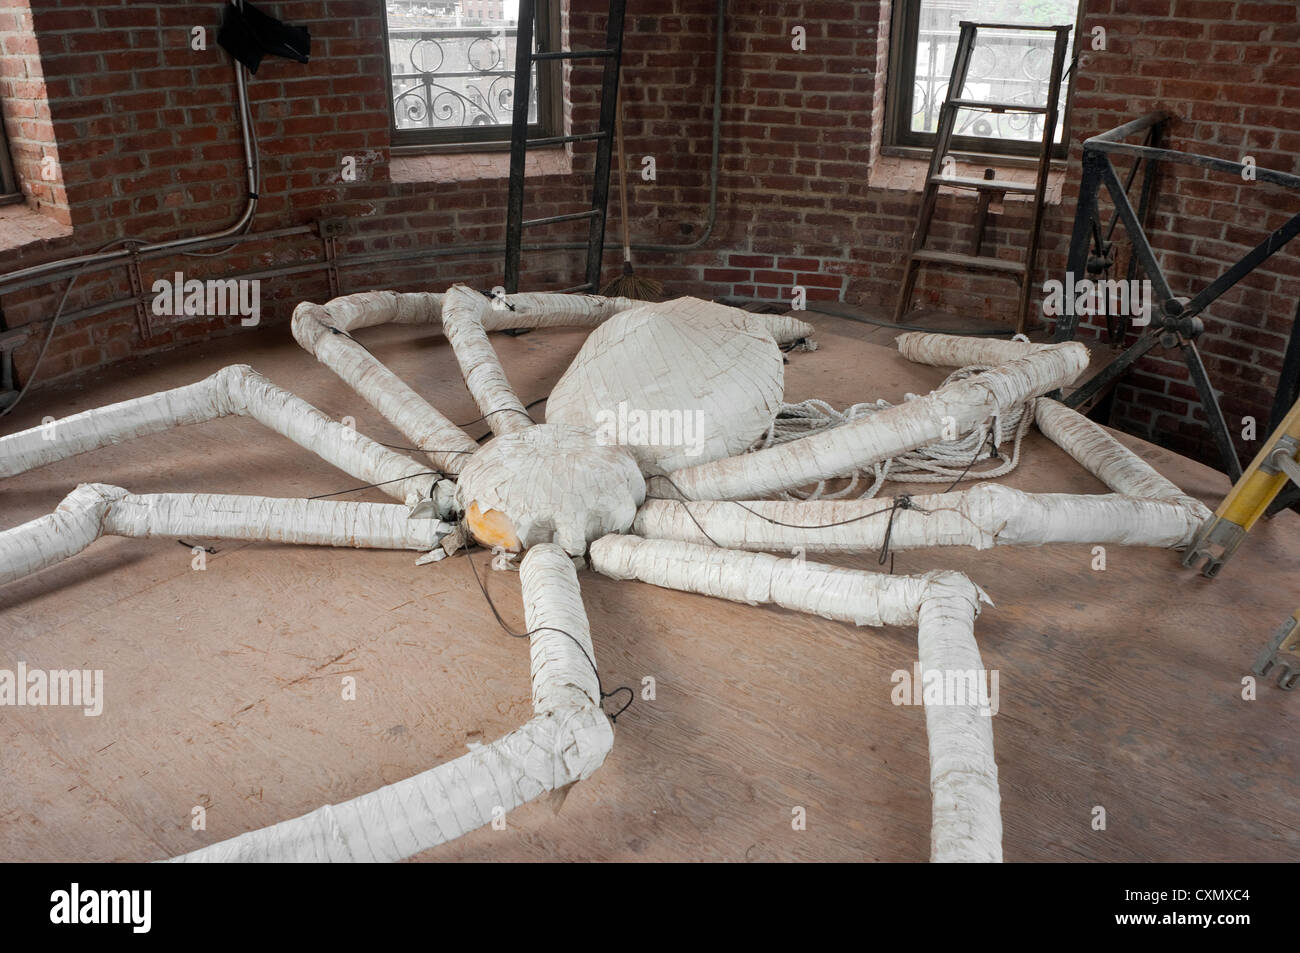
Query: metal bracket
(137, 291)
(1282, 653)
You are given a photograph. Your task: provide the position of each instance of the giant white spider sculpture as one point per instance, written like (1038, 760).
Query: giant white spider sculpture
(572, 488)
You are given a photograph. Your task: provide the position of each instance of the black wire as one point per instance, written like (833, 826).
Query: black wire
(345, 334)
(206, 549)
(503, 410)
(371, 486)
(548, 628)
(768, 519)
(494, 298)
(901, 502)
(540, 400)
(988, 439)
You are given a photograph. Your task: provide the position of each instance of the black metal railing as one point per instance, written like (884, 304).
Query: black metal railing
(454, 78)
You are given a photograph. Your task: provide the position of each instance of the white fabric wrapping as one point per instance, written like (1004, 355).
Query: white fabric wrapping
(965, 806)
(966, 818)
(463, 313)
(1109, 460)
(705, 379)
(984, 516)
(565, 742)
(846, 595)
(555, 484)
(956, 350)
(366, 309)
(958, 406)
(237, 389)
(272, 520)
(114, 423)
(513, 312)
(441, 440)
(95, 509)
(76, 523)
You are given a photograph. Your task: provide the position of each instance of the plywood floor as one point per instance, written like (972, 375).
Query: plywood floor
(1119, 689)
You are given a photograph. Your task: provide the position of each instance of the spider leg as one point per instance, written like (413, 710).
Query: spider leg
(465, 316)
(966, 819)
(566, 740)
(93, 510)
(237, 389)
(984, 516)
(1143, 509)
(441, 440)
(960, 405)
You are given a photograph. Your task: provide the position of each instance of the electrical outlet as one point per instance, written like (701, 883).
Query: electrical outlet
(332, 227)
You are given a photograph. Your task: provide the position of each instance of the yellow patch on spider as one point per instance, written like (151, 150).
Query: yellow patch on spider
(492, 528)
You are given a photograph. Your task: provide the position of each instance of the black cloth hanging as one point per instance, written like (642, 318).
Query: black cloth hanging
(248, 34)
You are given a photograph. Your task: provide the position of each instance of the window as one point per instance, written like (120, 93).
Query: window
(1006, 66)
(451, 66)
(10, 190)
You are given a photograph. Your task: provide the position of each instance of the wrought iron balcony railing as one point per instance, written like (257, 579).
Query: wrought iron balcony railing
(453, 78)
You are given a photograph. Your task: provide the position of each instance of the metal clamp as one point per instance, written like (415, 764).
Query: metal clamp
(1282, 653)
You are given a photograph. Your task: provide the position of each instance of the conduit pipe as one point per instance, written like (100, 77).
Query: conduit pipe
(566, 740)
(966, 823)
(65, 267)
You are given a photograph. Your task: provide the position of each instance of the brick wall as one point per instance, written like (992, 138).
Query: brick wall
(23, 100)
(148, 146)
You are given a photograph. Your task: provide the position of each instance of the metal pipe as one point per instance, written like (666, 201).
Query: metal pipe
(719, 53)
(1109, 142)
(64, 267)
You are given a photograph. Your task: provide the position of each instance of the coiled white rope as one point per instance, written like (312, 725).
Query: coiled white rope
(948, 461)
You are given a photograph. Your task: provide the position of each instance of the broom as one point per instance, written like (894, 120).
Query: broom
(628, 284)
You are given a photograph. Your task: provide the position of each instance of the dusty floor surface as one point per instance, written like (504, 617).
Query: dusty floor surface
(1119, 689)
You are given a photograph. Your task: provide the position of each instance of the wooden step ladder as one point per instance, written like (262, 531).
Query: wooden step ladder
(989, 188)
(525, 58)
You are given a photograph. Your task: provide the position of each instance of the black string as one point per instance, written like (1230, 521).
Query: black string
(345, 334)
(901, 502)
(768, 519)
(495, 298)
(192, 546)
(371, 486)
(527, 407)
(993, 455)
(631, 695)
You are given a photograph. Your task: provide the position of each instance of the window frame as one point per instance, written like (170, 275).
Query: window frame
(11, 189)
(550, 101)
(904, 31)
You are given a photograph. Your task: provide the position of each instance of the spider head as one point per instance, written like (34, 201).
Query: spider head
(549, 483)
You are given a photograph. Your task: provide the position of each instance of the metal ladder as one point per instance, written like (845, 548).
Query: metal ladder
(525, 58)
(988, 187)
